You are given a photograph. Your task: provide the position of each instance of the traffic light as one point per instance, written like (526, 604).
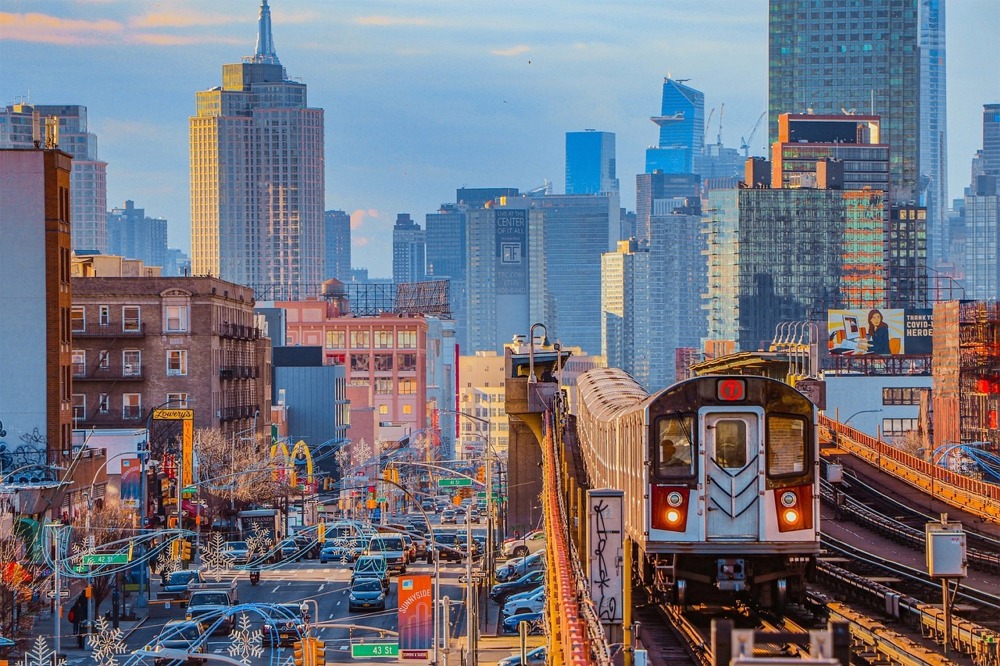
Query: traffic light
(321, 533)
(387, 474)
(185, 550)
(319, 652)
(298, 653)
(175, 549)
(481, 474)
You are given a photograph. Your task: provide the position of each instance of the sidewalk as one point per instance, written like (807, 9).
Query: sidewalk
(69, 647)
(492, 646)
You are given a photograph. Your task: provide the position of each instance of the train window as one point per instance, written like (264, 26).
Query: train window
(673, 455)
(786, 445)
(731, 443)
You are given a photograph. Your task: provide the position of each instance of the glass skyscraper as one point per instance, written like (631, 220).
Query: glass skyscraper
(590, 162)
(133, 235)
(257, 188)
(682, 130)
(934, 128)
(408, 241)
(338, 245)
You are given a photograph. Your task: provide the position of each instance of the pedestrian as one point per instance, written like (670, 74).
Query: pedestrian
(78, 617)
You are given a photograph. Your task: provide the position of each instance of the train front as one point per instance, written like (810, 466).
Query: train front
(733, 490)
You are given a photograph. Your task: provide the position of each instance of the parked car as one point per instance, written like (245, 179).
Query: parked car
(178, 584)
(536, 625)
(237, 552)
(371, 566)
(535, 657)
(366, 594)
(180, 635)
(518, 566)
(283, 626)
(501, 591)
(533, 603)
(519, 547)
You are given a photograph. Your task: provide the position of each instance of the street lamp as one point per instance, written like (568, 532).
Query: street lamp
(531, 349)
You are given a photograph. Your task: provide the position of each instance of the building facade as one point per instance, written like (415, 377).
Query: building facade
(408, 250)
(590, 162)
(257, 181)
(445, 233)
(338, 245)
(187, 342)
(19, 128)
(934, 128)
(626, 326)
(682, 130)
(131, 234)
(35, 341)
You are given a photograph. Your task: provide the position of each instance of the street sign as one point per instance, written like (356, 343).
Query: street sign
(109, 558)
(79, 568)
(63, 594)
(361, 650)
(189, 489)
(173, 414)
(451, 483)
(382, 500)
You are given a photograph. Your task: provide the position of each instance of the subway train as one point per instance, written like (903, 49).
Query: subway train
(721, 482)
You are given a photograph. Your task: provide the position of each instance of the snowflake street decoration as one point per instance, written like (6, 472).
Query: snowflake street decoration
(167, 565)
(259, 542)
(41, 655)
(245, 642)
(107, 642)
(214, 558)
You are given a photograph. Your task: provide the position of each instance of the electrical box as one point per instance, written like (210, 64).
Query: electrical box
(834, 472)
(640, 657)
(945, 550)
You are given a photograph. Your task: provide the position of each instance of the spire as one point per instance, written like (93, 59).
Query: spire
(265, 42)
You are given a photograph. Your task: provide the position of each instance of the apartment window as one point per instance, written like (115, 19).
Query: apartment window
(360, 340)
(383, 339)
(104, 359)
(901, 395)
(131, 321)
(408, 362)
(178, 400)
(78, 320)
(79, 406)
(131, 406)
(177, 362)
(359, 363)
(406, 339)
(102, 403)
(175, 318)
(131, 363)
(104, 318)
(360, 381)
(336, 339)
(383, 387)
(383, 362)
(895, 427)
(383, 409)
(79, 360)
(407, 409)
(407, 387)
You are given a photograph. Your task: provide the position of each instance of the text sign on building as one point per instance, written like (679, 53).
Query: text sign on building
(173, 414)
(605, 533)
(879, 332)
(511, 251)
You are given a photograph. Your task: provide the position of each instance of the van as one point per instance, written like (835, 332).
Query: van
(392, 547)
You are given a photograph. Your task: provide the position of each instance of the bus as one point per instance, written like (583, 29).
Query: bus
(269, 521)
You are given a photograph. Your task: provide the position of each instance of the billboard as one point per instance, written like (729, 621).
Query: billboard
(415, 617)
(604, 548)
(511, 250)
(131, 483)
(879, 332)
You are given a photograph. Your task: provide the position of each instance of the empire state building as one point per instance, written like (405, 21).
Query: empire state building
(257, 190)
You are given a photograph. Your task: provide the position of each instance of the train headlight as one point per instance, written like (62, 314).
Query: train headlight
(673, 516)
(675, 499)
(789, 499)
(791, 516)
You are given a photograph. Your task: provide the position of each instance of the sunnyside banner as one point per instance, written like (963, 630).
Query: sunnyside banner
(416, 617)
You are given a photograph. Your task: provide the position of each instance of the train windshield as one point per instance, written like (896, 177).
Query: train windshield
(786, 446)
(731, 443)
(673, 453)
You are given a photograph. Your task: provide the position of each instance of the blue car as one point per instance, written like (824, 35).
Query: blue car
(536, 625)
(528, 581)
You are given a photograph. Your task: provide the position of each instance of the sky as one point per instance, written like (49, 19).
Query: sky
(422, 97)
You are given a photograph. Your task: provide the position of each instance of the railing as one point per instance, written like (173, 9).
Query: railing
(133, 374)
(134, 330)
(114, 419)
(972, 495)
(238, 331)
(238, 412)
(239, 372)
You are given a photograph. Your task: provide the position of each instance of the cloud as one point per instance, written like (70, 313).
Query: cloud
(47, 29)
(182, 40)
(385, 21)
(359, 217)
(360, 241)
(512, 51)
(181, 20)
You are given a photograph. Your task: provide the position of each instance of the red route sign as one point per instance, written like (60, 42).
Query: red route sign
(731, 390)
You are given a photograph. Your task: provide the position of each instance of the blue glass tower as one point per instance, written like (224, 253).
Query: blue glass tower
(590, 162)
(682, 130)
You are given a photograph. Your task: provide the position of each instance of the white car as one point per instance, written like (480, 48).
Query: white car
(531, 542)
(530, 604)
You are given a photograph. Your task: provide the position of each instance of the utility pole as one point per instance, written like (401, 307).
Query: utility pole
(469, 610)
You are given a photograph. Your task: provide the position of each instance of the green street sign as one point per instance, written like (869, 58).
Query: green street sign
(382, 500)
(451, 483)
(481, 493)
(189, 489)
(110, 558)
(361, 650)
(79, 568)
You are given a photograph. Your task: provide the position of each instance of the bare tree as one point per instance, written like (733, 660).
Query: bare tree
(21, 582)
(109, 524)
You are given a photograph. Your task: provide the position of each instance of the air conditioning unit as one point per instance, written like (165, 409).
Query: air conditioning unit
(128, 368)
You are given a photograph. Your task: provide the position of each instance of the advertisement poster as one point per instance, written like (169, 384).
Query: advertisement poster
(511, 247)
(415, 618)
(879, 332)
(131, 483)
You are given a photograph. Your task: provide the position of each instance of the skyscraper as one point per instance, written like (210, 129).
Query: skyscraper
(408, 250)
(133, 235)
(831, 58)
(19, 127)
(625, 309)
(257, 189)
(338, 245)
(682, 129)
(445, 233)
(989, 156)
(934, 128)
(590, 162)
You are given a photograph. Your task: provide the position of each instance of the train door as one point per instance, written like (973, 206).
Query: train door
(732, 475)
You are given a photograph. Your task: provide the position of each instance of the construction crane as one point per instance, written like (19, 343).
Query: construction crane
(718, 137)
(745, 142)
(708, 123)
